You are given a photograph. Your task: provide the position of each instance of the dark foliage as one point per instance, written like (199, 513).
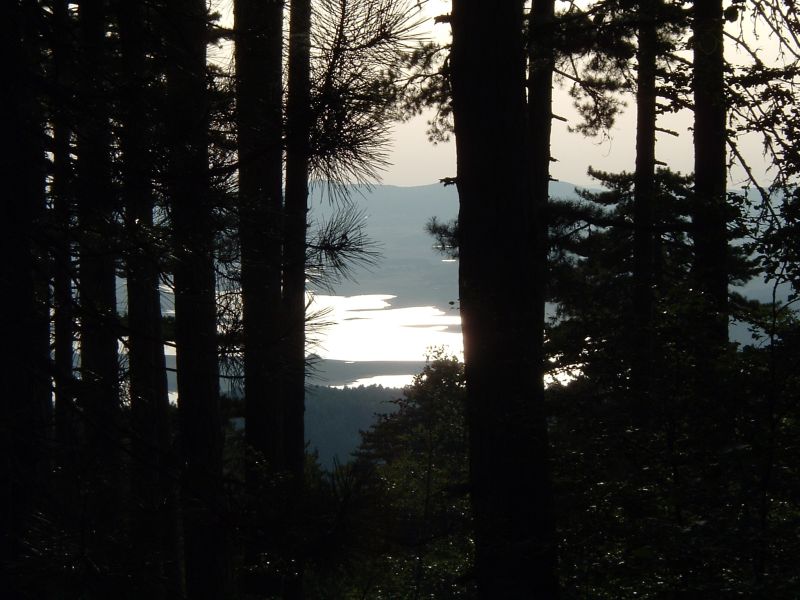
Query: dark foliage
(661, 461)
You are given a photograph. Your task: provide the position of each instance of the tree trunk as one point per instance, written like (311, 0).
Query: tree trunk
(154, 526)
(541, 64)
(62, 260)
(259, 113)
(712, 412)
(259, 106)
(644, 192)
(193, 232)
(298, 151)
(709, 218)
(515, 548)
(99, 390)
(23, 413)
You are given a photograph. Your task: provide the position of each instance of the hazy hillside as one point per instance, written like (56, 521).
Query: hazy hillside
(334, 418)
(409, 267)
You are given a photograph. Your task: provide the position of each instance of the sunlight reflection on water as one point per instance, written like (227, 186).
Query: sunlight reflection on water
(367, 328)
(392, 381)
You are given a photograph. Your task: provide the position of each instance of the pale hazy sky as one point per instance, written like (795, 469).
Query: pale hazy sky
(363, 324)
(415, 161)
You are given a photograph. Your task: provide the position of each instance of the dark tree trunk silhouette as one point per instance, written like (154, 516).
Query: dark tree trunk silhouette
(540, 102)
(259, 106)
(298, 118)
(191, 205)
(644, 192)
(515, 547)
(298, 151)
(709, 216)
(62, 192)
(713, 413)
(259, 114)
(99, 387)
(541, 63)
(24, 409)
(154, 498)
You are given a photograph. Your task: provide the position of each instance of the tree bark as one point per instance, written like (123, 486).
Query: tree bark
(541, 64)
(298, 151)
(62, 259)
(23, 411)
(259, 99)
(154, 514)
(205, 544)
(99, 387)
(712, 414)
(644, 192)
(259, 114)
(709, 218)
(515, 547)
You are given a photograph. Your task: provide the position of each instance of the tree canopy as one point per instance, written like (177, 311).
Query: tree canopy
(625, 419)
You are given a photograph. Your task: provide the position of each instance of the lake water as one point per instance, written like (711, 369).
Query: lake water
(369, 329)
(378, 326)
(366, 340)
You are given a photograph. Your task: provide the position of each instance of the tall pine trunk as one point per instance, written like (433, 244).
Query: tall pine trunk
(541, 64)
(259, 106)
(644, 192)
(298, 151)
(259, 116)
(191, 204)
(62, 261)
(713, 432)
(154, 499)
(25, 372)
(709, 215)
(508, 466)
(99, 387)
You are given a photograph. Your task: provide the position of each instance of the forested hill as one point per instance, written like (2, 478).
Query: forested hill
(335, 417)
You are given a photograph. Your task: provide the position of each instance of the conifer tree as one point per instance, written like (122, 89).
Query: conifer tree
(193, 234)
(259, 106)
(710, 153)
(99, 395)
(153, 503)
(63, 199)
(24, 409)
(647, 13)
(298, 155)
(515, 546)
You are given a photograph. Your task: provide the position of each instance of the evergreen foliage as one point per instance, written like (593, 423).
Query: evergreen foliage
(661, 461)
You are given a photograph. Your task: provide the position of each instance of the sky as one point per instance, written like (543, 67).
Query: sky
(364, 324)
(416, 161)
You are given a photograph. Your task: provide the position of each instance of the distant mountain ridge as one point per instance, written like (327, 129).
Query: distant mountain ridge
(410, 267)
